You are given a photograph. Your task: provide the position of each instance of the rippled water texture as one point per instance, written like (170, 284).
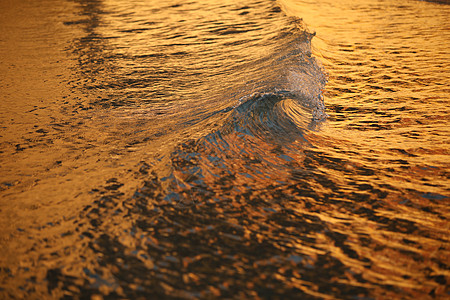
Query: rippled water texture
(224, 149)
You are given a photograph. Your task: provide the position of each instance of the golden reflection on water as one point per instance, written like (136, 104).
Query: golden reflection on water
(128, 168)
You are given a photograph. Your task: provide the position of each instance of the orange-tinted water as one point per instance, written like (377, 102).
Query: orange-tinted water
(181, 150)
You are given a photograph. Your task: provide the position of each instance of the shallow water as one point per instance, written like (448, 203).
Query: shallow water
(211, 149)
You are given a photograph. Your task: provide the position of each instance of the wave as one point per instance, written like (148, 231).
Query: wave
(271, 93)
(273, 101)
(244, 75)
(282, 94)
(278, 116)
(259, 136)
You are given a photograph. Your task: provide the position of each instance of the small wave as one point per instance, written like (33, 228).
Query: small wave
(277, 115)
(279, 101)
(282, 96)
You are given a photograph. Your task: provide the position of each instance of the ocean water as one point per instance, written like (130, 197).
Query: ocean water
(287, 149)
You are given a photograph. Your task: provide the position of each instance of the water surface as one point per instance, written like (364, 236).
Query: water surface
(206, 149)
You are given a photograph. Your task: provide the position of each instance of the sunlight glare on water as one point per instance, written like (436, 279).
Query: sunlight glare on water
(224, 149)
